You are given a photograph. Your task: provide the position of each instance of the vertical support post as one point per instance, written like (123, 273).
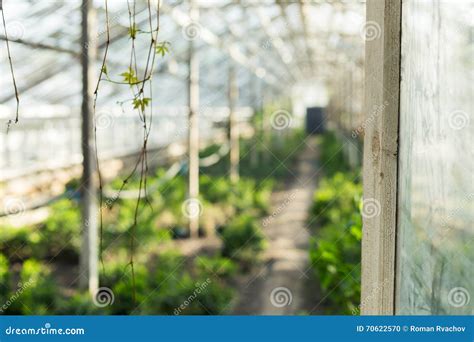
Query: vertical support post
(352, 149)
(233, 126)
(193, 138)
(266, 125)
(89, 271)
(382, 94)
(255, 104)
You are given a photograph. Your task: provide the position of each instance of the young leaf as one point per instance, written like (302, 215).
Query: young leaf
(132, 31)
(141, 104)
(104, 70)
(162, 48)
(129, 76)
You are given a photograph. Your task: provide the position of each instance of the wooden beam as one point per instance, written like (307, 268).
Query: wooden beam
(192, 209)
(42, 46)
(382, 77)
(304, 24)
(233, 126)
(89, 271)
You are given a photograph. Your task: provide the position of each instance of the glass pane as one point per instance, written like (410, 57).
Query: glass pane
(435, 242)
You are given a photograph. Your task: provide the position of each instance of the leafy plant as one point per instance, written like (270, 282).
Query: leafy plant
(215, 266)
(130, 291)
(332, 156)
(4, 279)
(61, 232)
(18, 243)
(36, 289)
(335, 217)
(335, 199)
(243, 239)
(178, 291)
(78, 304)
(182, 295)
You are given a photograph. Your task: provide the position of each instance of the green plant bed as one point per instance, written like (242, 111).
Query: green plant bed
(243, 240)
(335, 199)
(332, 158)
(164, 285)
(4, 281)
(78, 304)
(36, 293)
(335, 248)
(160, 216)
(58, 236)
(335, 258)
(170, 284)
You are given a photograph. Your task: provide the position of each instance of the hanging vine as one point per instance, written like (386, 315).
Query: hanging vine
(9, 55)
(141, 101)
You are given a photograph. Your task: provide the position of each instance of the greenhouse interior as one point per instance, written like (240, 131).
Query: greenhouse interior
(236, 157)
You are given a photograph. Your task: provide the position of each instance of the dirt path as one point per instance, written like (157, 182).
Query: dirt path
(283, 285)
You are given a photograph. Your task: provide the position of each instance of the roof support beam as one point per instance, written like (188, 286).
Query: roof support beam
(41, 46)
(277, 42)
(304, 23)
(184, 20)
(254, 48)
(282, 7)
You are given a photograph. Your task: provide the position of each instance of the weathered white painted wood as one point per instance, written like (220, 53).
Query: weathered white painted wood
(380, 156)
(89, 258)
(192, 209)
(233, 126)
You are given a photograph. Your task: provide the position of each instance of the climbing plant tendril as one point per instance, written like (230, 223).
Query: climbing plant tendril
(103, 69)
(17, 96)
(141, 101)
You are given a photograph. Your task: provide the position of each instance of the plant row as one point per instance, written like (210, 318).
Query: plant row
(335, 218)
(38, 276)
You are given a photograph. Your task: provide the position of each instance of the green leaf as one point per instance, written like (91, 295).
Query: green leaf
(104, 69)
(162, 48)
(129, 76)
(141, 104)
(132, 31)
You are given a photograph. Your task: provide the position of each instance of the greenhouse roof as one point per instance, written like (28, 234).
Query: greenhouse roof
(281, 43)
